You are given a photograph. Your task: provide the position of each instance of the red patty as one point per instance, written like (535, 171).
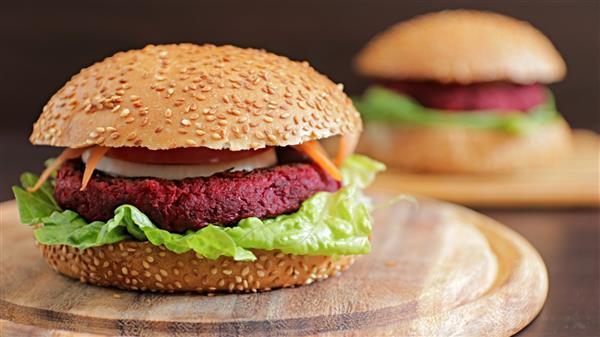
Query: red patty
(192, 203)
(507, 97)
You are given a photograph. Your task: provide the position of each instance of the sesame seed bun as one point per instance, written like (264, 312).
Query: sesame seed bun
(465, 151)
(462, 46)
(142, 266)
(185, 95)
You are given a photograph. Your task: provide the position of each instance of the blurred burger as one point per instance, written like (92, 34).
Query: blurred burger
(462, 91)
(198, 168)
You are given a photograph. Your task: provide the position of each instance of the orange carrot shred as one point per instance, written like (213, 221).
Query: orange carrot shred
(96, 154)
(315, 151)
(346, 146)
(64, 156)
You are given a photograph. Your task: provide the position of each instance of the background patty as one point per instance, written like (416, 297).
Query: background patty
(192, 203)
(478, 96)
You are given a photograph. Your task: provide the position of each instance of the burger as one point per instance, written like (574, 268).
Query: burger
(199, 168)
(462, 91)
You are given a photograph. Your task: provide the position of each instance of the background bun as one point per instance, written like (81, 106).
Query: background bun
(463, 150)
(185, 95)
(462, 46)
(142, 266)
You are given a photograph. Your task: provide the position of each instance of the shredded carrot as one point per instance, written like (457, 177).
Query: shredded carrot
(96, 154)
(316, 152)
(64, 156)
(346, 146)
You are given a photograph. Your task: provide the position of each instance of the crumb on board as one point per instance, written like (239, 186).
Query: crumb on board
(390, 263)
(116, 296)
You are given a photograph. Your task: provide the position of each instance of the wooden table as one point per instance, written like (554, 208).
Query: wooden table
(568, 241)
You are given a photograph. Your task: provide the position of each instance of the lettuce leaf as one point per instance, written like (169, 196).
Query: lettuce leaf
(382, 105)
(326, 224)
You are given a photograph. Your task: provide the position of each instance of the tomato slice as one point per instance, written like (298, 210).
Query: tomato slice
(179, 156)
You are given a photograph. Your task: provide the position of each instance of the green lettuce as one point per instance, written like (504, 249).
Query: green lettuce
(326, 224)
(382, 105)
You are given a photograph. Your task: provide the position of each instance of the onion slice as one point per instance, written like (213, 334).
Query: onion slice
(95, 155)
(315, 151)
(64, 156)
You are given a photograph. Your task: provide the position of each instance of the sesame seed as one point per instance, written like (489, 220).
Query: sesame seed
(227, 271)
(186, 122)
(124, 113)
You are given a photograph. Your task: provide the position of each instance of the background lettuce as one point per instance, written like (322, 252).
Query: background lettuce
(326, 224)
(380, 104)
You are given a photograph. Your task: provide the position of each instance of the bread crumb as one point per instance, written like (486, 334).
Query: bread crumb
(390, 263)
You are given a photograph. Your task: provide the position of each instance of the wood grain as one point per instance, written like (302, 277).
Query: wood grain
(574, 182)
(436, 270)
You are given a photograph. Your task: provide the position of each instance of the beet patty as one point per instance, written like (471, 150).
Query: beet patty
(192, 203)
(479, 96)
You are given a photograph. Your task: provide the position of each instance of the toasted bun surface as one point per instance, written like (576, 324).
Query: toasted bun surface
(142, 266)
(462, 46)
(185, 95)
(462, 150)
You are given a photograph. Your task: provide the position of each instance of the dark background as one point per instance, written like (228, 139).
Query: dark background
(47, 42)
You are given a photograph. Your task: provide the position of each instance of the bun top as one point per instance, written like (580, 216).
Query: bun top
(462, 46)
(185, 95)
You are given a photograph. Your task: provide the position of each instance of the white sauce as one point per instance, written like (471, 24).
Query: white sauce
(117, 167)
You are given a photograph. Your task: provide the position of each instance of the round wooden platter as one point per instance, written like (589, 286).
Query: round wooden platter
(435, 270)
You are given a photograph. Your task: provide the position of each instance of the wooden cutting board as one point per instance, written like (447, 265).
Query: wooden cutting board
(435, 270)
(575, 182)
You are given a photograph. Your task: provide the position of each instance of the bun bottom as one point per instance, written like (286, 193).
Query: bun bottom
(142, 266)
(464, 151)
